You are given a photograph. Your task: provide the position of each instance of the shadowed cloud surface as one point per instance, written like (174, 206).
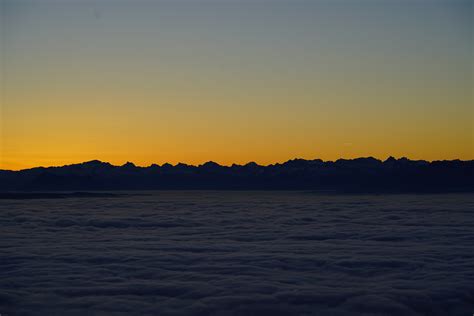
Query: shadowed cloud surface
(238, 253)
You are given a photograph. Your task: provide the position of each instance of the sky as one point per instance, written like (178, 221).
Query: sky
(234, 81)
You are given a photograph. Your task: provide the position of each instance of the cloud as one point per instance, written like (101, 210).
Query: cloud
(238, 253)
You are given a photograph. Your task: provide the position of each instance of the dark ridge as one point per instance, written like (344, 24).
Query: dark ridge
(344, 175)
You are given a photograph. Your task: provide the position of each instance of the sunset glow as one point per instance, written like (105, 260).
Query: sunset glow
(234, 81)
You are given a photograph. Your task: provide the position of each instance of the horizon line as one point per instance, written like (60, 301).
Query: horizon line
(234, 164)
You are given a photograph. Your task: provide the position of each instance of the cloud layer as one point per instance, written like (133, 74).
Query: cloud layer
(238, 253)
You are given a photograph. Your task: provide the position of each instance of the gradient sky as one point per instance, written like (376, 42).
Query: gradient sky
(234, 81)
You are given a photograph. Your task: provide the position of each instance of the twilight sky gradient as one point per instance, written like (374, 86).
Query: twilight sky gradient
(234, 81)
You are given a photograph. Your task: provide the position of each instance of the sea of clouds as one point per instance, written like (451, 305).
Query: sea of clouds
(238, 253)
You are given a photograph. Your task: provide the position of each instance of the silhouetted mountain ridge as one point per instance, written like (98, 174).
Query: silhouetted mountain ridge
(365, 174)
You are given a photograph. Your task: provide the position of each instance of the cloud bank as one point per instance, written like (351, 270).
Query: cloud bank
(238, 253)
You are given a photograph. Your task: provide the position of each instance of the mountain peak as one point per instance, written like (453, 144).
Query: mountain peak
(95, 162)
(252, 164)
(129, 164)
(92, 164)
(391, 159)
(211, 164)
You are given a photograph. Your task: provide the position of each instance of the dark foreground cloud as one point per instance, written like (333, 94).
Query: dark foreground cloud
(238, 253)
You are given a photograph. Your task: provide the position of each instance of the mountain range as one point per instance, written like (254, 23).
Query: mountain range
(343, 175)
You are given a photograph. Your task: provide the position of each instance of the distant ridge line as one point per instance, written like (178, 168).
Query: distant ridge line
(211, 162)
(366, 174)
